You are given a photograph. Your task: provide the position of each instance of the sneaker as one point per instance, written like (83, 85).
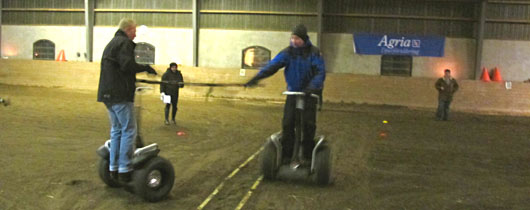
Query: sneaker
(166, 122)
(125, 177)
(173, 122)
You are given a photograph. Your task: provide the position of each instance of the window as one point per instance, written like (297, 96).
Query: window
(144, 53)
(396, 65)
(255, 57)
(43, 50)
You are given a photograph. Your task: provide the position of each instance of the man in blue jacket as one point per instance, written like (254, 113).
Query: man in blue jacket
(116, 90)
(304, 72)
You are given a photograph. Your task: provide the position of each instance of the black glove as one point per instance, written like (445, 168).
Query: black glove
(181, 84)
(309, 91)
(150, 70)
(253, 82)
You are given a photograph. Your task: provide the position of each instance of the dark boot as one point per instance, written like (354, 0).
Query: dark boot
(125, 177)
(114, 175)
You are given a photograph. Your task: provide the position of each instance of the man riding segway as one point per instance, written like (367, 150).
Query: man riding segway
(304, 74)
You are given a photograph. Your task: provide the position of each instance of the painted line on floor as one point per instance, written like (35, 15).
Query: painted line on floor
(220, 186)
(249, 193)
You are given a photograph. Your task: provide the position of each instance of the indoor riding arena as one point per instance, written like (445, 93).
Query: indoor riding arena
(383, 139)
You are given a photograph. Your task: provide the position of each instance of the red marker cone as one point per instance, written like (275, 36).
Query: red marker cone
(485, 75)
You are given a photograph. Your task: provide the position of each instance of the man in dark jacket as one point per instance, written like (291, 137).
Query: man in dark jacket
(116, 90)
(304, 71)
(172, 75)
(446, 87)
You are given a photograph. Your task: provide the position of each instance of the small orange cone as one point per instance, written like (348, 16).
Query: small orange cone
(496, 75)
(61, 56)
(485, 75)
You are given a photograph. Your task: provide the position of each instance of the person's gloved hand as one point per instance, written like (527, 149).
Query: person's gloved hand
(162, 94)
(181, 84)
(150, 70)
(309, 91)
(253, 82)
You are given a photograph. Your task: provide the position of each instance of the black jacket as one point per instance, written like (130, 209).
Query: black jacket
(169, 89)
(446, 91)
(118, 70)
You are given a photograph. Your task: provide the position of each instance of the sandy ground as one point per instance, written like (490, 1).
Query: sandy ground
(48, 138)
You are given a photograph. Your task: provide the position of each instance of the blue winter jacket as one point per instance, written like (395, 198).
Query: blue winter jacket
(304, 68)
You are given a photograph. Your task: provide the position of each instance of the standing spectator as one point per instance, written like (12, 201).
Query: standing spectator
(173, 76)
(446, 87)
(116, 90)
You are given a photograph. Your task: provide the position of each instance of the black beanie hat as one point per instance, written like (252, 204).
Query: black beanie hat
(172, 64)
(301, 31)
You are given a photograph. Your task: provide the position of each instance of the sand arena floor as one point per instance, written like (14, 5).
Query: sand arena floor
(48, 138)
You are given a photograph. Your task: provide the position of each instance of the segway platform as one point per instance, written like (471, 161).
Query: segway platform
(275, 166)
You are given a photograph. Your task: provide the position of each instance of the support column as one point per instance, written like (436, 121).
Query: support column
(480, 38)
(196, 29)
(320, 10)
(89, 27)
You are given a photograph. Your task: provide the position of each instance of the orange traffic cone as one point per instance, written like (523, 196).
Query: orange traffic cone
(61, 56)
(496, 75)
(485, 75)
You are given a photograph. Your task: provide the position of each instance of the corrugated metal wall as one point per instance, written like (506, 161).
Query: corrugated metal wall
(43, 17)
(168, 17)
(453, 19)
(508, 21)
(504, 19)
(282, 20)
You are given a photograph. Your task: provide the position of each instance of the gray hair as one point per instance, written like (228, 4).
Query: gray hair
(126, 23)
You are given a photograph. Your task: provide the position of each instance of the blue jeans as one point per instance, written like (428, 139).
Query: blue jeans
(122, 135)
(443, 109)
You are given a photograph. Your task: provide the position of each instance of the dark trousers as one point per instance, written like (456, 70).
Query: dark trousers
(290, 119)
(174, 102)
(443, 109)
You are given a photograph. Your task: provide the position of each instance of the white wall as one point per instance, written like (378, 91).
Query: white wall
(171, 44)
(511, 57)
(222, 48)
(17, 41)
(459, 56)
(341, 58)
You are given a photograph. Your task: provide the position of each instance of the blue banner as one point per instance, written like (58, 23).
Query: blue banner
(383, 44)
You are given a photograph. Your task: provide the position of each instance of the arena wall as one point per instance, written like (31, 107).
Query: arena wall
(415, 92)
(222, 49)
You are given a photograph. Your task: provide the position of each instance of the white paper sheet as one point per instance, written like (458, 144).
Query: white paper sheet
(167, 99)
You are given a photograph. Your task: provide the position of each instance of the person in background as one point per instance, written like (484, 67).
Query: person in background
(116, 90)
(446, 87)
(172, 75)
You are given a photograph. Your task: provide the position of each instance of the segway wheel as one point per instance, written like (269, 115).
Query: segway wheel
(323, 166)
(268, 161)
(104, 173)
(154, 180)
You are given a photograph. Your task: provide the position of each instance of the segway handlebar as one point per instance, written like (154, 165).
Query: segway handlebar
(296, 93)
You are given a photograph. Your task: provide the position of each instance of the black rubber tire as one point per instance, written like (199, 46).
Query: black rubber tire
(140, 179)
(323, 166)
(268, 161)
(104, 173)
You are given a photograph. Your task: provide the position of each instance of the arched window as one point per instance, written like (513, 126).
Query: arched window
(255, 57)
(144, 53)
(43, 50)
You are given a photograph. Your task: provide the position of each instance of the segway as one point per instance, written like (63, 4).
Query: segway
(273, 164)
(152, 177)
